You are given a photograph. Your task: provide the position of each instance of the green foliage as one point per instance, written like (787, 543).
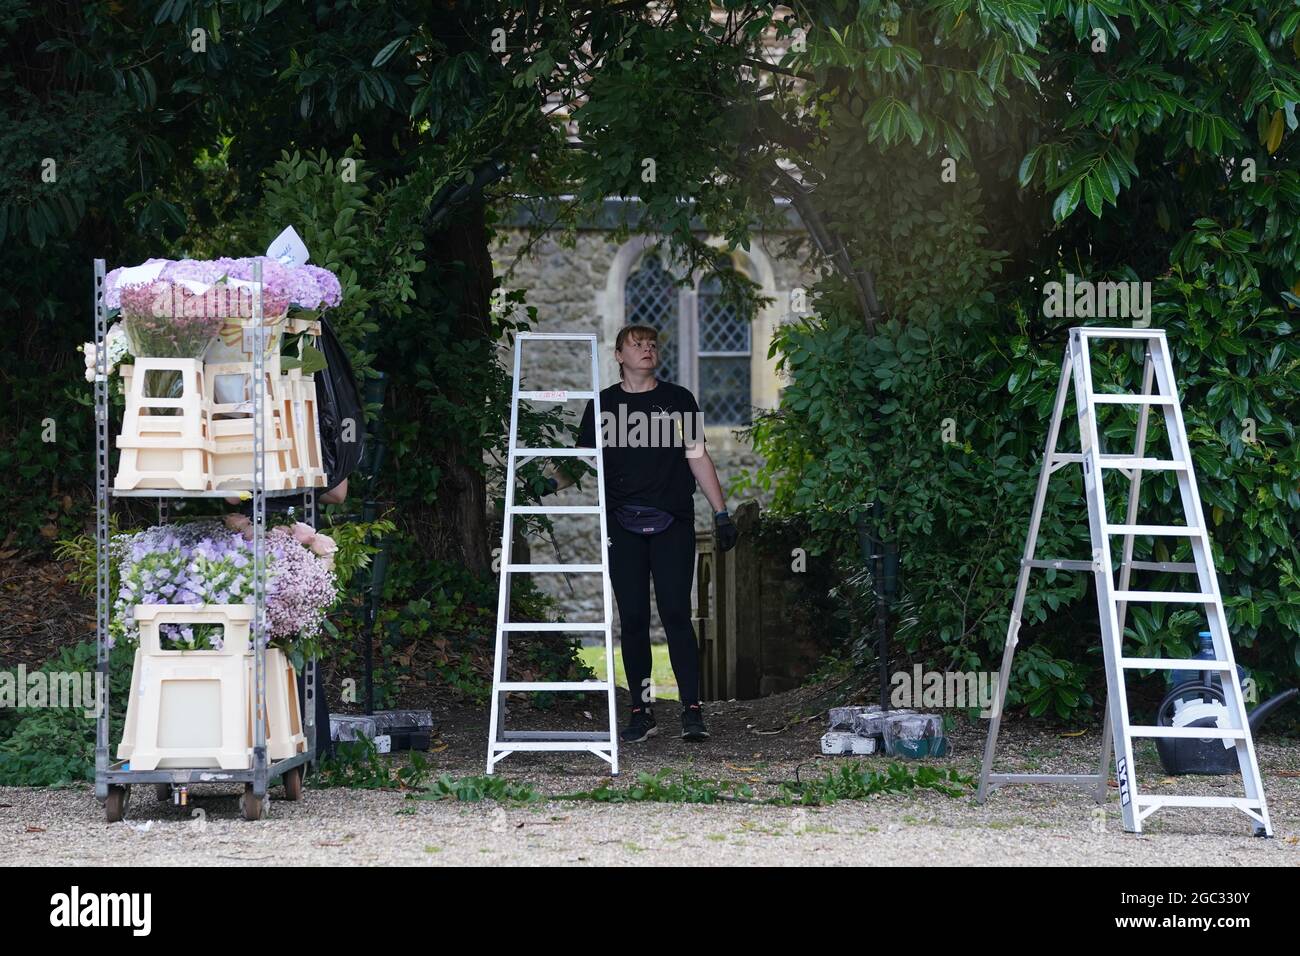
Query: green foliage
(478, 789)
(55, 746)
(939, 407)
(852, 782)
(358, 542)
(658, 787)
(356, 764)
(349, 231)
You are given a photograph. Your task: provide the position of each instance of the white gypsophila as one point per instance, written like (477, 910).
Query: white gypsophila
(117, 346)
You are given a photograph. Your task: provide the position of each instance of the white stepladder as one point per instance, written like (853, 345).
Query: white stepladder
(1113, 598)
(502, 742)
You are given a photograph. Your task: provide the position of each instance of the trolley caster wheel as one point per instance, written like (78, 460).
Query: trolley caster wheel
(163, 791)
(292, 781)
(119, 797)
(251, 807)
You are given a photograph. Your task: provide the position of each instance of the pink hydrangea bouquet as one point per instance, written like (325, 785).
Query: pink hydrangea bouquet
(304, 287)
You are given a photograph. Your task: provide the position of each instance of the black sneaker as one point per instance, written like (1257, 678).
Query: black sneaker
(693, 723)
(641, 726)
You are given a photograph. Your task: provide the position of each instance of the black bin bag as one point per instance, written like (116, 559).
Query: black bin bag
(338, 403)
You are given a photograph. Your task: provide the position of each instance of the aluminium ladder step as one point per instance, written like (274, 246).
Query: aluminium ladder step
(1181, 801)
(564, 451)
(558, 336)
(563, 685)
(555, 396)
(1105, 332)
(552, 568)
(602, 749)
(555, 509)
(554, 626)
(1155, 530)
(1121, 399)
(1165, 597)
(1143, 464)
(1173, 664)
(1190, 733)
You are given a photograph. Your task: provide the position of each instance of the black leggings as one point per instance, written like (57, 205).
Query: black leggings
(670, 557)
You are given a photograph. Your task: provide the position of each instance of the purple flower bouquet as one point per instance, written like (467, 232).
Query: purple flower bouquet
(205, 563)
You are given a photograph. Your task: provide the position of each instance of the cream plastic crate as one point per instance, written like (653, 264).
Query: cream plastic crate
(189, 708)
(164, 451)
(284, 734)
(303, 422)
(300, 412)
(196, 708)
(230, 424)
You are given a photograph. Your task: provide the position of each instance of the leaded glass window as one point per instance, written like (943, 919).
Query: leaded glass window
(651, 298)
(724, 354)
(704, 340)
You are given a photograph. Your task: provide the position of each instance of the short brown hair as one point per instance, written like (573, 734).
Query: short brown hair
(637, 331)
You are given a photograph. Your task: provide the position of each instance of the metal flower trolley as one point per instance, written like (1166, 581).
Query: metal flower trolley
(114, 778)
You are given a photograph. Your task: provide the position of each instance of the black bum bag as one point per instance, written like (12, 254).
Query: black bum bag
(640, 519)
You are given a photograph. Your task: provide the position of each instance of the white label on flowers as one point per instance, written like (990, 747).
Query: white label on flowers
(138, 275)
(289, 248)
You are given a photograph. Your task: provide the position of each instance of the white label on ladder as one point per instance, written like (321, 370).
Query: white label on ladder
(561, 395)
(1121, 767)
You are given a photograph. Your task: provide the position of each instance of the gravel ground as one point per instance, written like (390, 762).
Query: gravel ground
(761, 743)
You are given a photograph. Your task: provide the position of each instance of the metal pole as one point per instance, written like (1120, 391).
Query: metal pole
(260, 629)
(882, 600)
(101, 534)
(311, 667)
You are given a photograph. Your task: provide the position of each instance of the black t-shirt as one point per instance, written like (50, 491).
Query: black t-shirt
(646, 438)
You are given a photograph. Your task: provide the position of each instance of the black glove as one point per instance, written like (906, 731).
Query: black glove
(725, 530)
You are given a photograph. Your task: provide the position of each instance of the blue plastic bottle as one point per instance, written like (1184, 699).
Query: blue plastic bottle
(1204, 652)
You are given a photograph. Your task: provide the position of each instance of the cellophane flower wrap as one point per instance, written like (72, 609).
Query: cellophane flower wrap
(166, 321)
(206, 563)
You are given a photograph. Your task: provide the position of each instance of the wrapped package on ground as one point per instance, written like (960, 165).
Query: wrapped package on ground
(915, 735)
(872, 722)
(348, 727)
(842, 717)
(403, 720)
(842, 742)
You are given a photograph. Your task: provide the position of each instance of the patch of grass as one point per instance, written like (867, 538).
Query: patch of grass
(661, 668)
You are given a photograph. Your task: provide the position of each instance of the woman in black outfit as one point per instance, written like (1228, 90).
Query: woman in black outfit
(654, 454)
